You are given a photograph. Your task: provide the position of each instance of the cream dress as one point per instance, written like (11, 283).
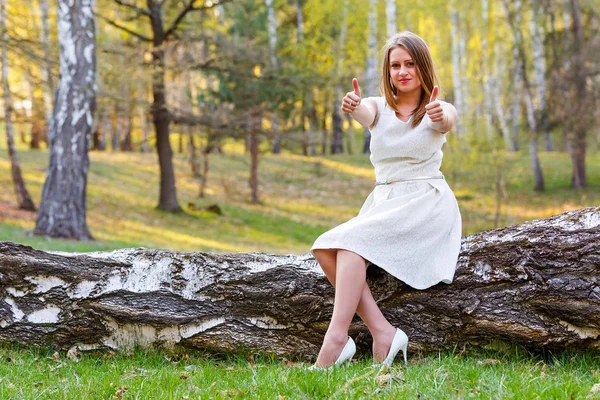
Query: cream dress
(410, 224)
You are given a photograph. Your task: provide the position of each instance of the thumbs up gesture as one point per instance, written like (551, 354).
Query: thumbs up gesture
(434, 108)
(352, 99)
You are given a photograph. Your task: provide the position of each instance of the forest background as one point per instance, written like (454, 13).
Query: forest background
(240, 101)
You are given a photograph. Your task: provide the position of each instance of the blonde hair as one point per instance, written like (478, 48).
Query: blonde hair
(426, 71)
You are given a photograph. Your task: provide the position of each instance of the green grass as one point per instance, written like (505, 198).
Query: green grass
(28, 373)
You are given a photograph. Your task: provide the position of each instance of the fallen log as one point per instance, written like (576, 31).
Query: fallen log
(536, 284)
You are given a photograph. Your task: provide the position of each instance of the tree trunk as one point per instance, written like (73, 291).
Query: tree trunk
(536, 284)
(537, 30)
(168, 193)
(24, 201)
(531, 119)
(254, 146)
(48, 86)
(391, 15)
(63, 208)
(458, 100)
(275, 67)
(487, 78)
(337, 146)
(496, 94)
(578, 143)
(371, 71)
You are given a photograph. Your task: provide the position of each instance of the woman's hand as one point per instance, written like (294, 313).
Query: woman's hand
(443, 118)
(352, 100)
(434, 108)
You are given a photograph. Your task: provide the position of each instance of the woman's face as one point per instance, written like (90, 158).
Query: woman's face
(403, 71)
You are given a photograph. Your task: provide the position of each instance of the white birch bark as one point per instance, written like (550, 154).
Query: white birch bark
(390, 13)
(48, 87)
(275, 66)
(458, 99)
(63, 209)
(500, 65)
(537, 30)
(371, 71)
(337, 133)
(487, 84)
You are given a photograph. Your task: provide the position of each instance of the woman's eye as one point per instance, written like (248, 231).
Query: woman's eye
(411, 64)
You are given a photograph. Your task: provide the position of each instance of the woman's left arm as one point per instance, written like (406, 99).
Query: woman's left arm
(449, 118)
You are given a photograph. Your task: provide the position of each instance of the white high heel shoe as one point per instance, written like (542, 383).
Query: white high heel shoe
(346, 355)
(400, 342)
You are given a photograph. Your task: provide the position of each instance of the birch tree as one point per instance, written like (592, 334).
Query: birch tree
(371, 70)
(513, 19)
(390, 13)
(24, 201)
(336, 118)
(274, 64)
(63, 208)
(537, 31)
(458, 100)
(48, 87)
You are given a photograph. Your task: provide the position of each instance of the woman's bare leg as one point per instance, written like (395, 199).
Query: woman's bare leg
(368, 310)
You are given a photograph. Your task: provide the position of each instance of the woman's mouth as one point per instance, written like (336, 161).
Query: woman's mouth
(403, 81)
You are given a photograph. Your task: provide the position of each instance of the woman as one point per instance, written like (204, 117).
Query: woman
(410, 224)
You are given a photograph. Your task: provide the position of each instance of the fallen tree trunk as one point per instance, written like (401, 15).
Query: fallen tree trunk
(536, 284)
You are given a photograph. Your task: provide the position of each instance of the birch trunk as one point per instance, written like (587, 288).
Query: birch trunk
(487, 84)
(536, 284)
(371, 71)
(48, 87)
(458, 99)
(337, 146)
(537, 30)
(275, 66)
(24, 201)
(391, 15)
(514, 20)
(580, 125)
(499, 65)
(63, 208)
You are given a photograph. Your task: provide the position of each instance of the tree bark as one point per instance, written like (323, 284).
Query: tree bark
(63, 208)
(458, 100)
(391, 15)
(536, 284)
(579, 126)
(168, 193)
(371, 70)
(23, 198)
(48, 86)
(337, 146)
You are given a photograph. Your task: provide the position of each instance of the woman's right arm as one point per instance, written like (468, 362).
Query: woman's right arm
(366, 112)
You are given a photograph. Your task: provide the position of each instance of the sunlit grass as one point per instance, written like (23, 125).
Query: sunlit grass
(28, 373)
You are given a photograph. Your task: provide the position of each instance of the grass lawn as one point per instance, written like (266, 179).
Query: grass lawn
(514, 373)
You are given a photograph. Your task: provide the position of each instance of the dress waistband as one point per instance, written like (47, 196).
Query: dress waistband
(424, 178)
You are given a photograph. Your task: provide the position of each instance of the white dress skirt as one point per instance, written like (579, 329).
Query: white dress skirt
(410, 224)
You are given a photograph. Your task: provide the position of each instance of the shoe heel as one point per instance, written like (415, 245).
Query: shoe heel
(404, 350)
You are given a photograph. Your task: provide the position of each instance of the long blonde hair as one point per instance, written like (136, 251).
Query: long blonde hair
(426, 71)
